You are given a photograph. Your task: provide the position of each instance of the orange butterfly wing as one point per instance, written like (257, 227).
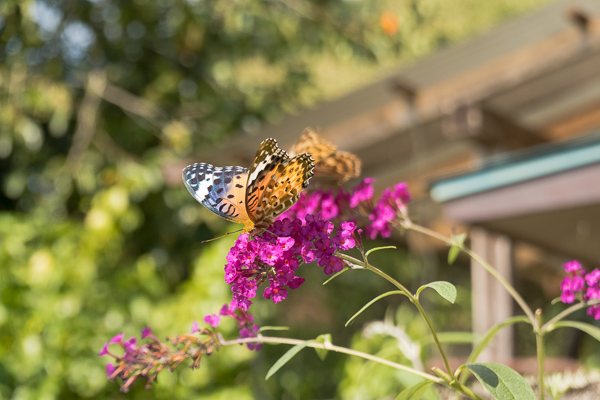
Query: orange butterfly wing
(282, 191)
(331, 163)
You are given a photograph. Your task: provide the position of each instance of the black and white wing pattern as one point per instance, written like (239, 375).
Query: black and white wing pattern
(220, 189)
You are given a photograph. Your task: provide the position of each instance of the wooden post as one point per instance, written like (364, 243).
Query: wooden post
(490, 302)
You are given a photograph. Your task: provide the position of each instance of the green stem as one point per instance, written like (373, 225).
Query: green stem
(548, 326)
(433, 334)
(464, 389)
(409, 225)
(328, 346)
(410, 296)
(539, 346)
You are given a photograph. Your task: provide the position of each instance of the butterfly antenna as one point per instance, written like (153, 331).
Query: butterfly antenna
(266, 230)
(222, 236)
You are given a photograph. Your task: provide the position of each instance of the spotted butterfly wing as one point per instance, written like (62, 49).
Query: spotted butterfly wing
(251, 197)
(331, 163)
(220, 189)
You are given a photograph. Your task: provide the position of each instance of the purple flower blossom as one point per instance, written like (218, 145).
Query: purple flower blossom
(581, 285)
(104, 350)
(130, 345)
(147, 358)
(273, 257)
(392, 201)
(195, 327)
(247, 327)
(117, 339)
(331, 204)
(146, 332)
(573, 267)
(212, 320)
(362, 192)
(592, 293)
(593, 277)
(594, 312)
(110, 370)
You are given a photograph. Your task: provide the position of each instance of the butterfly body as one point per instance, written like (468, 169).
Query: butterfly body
(253, 197)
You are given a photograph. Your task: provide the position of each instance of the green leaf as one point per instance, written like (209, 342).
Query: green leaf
(381, 296)
(414, 392)
(325, 339)
(503, 383)
(378, 249)
(491, 333)
(284, 359)
(444, 289)
(457, 245)
(590, 329)
(273, 328)
(332, 277)
(555, 300)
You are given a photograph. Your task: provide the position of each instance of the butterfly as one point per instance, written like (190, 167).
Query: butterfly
(331, 163)
(252, 197)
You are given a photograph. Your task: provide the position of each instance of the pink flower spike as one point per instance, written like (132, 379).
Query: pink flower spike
(117, 339)
(362, 192)
(567, 297)
(195, 327)
(104, 350)
(573, 267)
(110, 370)
(213, 320)
(146, 332)
(225, 310)
(593, 278)
(130, 345)
(594, 312)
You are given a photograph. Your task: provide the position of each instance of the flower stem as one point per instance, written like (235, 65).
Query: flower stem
(411, 297)
(409, 225)
(539, 346)
(328, 346)
(548, 326)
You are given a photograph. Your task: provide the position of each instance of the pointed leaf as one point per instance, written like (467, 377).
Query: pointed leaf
(457, 245)
(325, 339)
(284, 359)
(414, 392)
(444, 289)
(453, 254)
(491, 333)
(378, 249)
(332, 277)
(273, 328)
(503, 383)
(590, 329)
(381, 296)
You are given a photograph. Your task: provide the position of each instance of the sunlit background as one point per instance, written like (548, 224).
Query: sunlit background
(101, 100)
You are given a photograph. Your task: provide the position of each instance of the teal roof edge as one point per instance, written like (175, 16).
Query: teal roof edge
(521, 166)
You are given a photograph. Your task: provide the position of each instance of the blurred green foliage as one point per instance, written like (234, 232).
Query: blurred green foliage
(97, 99)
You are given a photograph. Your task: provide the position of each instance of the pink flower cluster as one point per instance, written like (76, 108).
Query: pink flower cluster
(579, 285)
(393, 200)
(247, 327)
(274, 256)
(331, 204)
(133, 360)
(352, 204)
